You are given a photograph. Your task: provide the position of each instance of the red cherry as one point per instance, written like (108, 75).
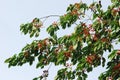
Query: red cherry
(67, 54)
(71, 48)
(116, 67)
(118, 52)
(39, 45)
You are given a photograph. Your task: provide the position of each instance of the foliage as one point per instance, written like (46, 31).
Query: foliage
(84, 48)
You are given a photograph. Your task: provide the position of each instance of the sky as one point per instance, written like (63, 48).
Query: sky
(15, 12)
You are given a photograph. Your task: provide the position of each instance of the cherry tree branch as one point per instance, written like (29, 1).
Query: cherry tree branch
(49, 16)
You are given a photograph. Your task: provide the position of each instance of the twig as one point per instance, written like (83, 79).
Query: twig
(50, 66)
(49, 16)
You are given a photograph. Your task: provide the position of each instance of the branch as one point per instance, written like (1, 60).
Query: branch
(49, 16)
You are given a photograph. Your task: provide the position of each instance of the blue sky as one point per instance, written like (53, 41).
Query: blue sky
(12, 14)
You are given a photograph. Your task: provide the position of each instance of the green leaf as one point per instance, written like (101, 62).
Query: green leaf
(37, 78)
(113, 1)
(84, 76)
(31, 59)
(112, 55)
(39, 64)
(37, 34)
(8, 60)
(89, 69)
(103, 61)
(79, 78)
(95, 16)
(31, 34)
